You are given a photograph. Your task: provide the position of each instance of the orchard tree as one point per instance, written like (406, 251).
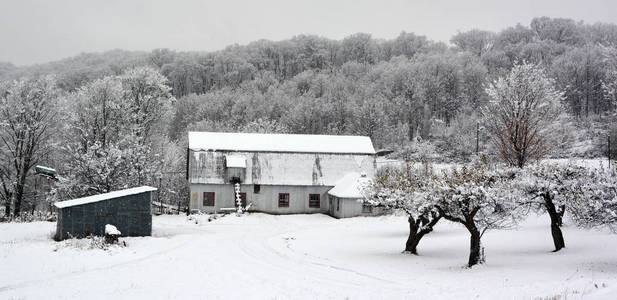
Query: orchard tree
(479, 198)
(596, 203)
(551, 188)
(405, 190)
(27, 112)
(521, 108)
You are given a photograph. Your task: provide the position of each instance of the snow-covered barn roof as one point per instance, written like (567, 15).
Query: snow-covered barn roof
(350, 186)
(260, 142)
(105, 196)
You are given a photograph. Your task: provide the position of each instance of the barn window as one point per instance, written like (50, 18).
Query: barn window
(242, 200)
(367, 208)
(314, 201)
(208, 198)
(256, 188)
(283, 199)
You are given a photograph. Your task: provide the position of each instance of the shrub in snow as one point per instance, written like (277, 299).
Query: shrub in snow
(111, 234)
(405, 189)
(478, 197)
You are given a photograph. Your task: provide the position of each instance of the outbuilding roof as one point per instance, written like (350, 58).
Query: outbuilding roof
(350, 186)
(260, 142)
(105, 196)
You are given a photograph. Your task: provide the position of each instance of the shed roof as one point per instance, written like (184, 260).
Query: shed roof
(260, 142)
(105, 196)
(350, 186)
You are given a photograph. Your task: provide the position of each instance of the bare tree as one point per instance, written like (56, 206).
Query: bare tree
(522, 106)
(26, 111)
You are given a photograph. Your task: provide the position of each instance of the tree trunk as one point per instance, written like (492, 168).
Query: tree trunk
(7, 207)
(19, 195)
(557, 236)
(556, 222)
(414, 238)
(418, 229)
(475, 248)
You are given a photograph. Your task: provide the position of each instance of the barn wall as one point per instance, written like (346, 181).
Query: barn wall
(349, 207)
(131, 214)
(279, 168)
(265, 201)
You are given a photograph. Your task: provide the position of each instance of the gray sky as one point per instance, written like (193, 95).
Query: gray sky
(35, 31)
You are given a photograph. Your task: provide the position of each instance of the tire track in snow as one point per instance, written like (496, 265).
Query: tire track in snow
(317, 271)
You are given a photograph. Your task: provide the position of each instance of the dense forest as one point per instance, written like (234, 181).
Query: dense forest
(120, 118)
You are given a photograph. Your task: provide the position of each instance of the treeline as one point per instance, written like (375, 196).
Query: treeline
(418, 97)
(409, 86)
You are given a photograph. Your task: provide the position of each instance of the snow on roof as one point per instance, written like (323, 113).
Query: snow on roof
(106, 196)
(235, 161)
(350, 186)
(47, 169)
(199, 141)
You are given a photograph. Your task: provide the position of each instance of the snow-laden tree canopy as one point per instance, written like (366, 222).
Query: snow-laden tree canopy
(596, 203)
(406, 189)
(522, 106)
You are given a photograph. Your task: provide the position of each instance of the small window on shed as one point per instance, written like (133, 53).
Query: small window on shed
(367, 209)
(208, 198)
(338, 204)
(283, 199)
(256, 188)
(314, 201)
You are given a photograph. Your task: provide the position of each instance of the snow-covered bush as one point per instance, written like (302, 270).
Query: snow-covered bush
(111, 234)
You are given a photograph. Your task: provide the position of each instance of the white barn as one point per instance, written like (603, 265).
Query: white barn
(279, 173)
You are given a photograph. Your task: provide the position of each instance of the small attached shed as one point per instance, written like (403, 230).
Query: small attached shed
(130, 210)
(345, 197)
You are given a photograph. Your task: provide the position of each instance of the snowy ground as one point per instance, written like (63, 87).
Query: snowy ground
(306, 256)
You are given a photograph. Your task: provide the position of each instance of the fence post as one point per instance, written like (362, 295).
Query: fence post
(477, 137)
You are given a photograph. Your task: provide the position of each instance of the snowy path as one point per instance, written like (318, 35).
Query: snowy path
(305, 256)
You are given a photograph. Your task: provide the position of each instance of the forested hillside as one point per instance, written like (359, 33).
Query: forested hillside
(409, 94)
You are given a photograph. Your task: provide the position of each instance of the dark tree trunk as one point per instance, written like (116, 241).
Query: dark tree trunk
(7, 207)
(19, 195)
(475, 248)
(556, 222)
(414, 238)
(417, 230)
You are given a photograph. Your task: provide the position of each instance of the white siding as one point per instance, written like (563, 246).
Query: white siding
(273, 168)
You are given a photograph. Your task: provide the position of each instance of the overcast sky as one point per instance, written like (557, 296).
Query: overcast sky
(35, 31)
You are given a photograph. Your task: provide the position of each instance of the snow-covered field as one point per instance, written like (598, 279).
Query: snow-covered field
(306, 256)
